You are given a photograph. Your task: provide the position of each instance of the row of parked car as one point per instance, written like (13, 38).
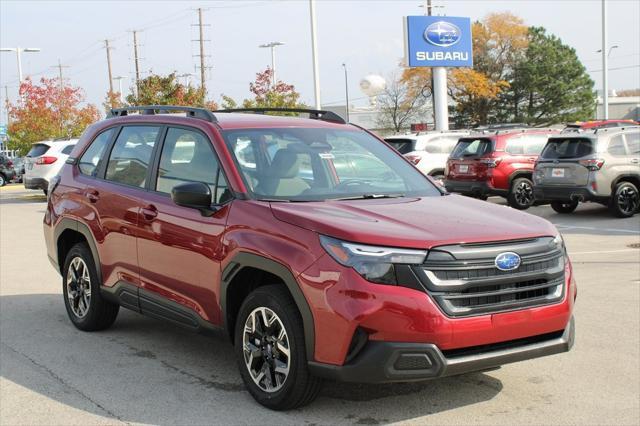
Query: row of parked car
(594, 161)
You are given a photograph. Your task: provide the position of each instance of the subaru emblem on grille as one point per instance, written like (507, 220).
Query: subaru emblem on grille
(507, 261)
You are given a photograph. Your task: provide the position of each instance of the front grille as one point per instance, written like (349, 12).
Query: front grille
(464, 280)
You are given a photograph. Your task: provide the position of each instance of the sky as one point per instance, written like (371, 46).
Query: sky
(366, 35)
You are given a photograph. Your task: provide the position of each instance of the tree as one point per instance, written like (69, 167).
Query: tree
(402, 102)
(549, 84)
(47, 110)
(269, 95)
(112, 100)
(167, 90)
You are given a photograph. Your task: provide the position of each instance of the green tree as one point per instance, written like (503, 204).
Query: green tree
(167, 90)
(47, 110)
(549, 85)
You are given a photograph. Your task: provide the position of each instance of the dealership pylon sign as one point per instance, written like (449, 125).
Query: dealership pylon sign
(438, 41)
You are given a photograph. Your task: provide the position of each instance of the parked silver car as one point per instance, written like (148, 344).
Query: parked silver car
(601, 165)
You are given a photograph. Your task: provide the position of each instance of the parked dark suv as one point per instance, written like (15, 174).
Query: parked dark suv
(251, 224)
(7, 171)
(497, 163)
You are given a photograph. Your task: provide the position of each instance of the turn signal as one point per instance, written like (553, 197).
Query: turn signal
(46, 160)
(593, 165)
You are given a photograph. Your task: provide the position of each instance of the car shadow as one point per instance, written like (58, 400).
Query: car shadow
(147, 371)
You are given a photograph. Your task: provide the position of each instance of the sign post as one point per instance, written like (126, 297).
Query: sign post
(439, 42)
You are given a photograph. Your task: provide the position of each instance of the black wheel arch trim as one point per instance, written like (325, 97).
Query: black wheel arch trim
(520, 174)
(628, 177)
(245, 259)
(75, 225)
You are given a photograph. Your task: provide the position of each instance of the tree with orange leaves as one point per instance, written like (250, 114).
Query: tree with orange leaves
(47, 110)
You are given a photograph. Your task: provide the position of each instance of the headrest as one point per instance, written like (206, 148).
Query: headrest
(285, 165)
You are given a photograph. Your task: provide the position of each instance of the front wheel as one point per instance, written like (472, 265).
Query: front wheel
(564, 207)
(269, 346)
(521, 194)
(625, 200)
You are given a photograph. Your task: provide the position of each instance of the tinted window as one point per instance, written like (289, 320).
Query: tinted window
(130, 156)
(187, 156)
(307, 164)
(37, 150)
(616, 146)
(403, 146)
(88, 163)
(440, 145)
(558, 148)
(633, 143)
(526, 144)
(67, 149)
(472, 148)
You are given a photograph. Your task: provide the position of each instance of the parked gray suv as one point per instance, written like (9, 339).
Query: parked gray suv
(601, 165)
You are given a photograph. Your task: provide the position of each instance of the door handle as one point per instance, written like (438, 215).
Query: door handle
(92, 195)
(149, 213)
(531, 159)
(635, 160)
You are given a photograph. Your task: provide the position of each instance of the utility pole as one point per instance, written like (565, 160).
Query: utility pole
(108, 49)
(61, 91)
(60, 67)
(314, 54)
(135, 58)
(346, 90)
(201, 39)
(605, 64)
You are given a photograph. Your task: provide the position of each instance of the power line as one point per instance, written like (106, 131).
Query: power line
(617, 68)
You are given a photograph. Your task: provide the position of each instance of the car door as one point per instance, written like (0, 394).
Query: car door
(179, 249)
(114, 171)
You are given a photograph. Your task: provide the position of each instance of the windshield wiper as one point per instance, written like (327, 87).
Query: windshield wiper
(368, 197)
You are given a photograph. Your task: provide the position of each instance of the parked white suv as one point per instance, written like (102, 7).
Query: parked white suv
(44, 161)
(428, 151)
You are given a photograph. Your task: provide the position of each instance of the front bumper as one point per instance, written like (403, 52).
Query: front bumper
(36, 183)
(385, 362)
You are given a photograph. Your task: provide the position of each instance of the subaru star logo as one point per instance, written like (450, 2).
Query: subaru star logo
(443, 34)
(507, 261)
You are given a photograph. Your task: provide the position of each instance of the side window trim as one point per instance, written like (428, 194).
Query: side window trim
(100, 168)
(154, 164)
(158, 153)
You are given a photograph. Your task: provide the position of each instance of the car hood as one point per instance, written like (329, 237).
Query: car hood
(423, 222)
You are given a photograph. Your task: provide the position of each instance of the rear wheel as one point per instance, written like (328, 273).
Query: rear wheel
(521, 194)
(269, 345)
(87, 310)
(439, 178)
(3, 180)
(564, 206)
(625, 200)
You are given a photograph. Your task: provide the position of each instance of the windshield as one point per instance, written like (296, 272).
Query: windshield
(403, 146)
(303, 164)
(471, 148)
(558, 148)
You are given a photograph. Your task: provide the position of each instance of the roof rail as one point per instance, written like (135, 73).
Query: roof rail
(314, 114)
(194, 112)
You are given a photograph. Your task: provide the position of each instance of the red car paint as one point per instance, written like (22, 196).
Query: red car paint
(146, 240)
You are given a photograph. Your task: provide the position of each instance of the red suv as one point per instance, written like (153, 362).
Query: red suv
(315, 265)
(497, 163)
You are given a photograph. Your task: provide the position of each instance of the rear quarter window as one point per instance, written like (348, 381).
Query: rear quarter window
(404, 146)
(633, 143)
(560, 148)
(67, 149)
(469, 147)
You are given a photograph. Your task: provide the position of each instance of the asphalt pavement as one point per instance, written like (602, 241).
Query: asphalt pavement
(143, 371)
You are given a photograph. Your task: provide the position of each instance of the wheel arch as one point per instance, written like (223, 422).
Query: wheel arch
(634, 179)
(520, 174)
(232, 293)
(69, 232)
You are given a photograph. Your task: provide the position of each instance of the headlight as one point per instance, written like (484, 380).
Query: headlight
(374, 263)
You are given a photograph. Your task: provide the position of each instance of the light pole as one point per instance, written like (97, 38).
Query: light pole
(346, 89)
(272, 45)
(314, 54)
(19, 51)
(615, 46)
(120, 78)
(605, 65)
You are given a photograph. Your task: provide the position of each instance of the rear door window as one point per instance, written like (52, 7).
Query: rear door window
(403, 146)
(67, 149)
(38, 149)
(564, 148)
(472, 148)
(130, 156)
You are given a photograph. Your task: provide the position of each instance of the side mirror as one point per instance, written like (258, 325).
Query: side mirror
(195, 195)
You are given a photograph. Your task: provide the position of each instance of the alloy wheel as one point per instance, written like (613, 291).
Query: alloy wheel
(78, 287)
(524, 194)
(266, 349)
(628, 200)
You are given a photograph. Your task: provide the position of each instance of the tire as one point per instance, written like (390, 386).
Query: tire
(521, 194)
(438, 177)
(99, 314)
(46, 192)
(3, 180)
(625, 200)
(295, 388)
(564, 207)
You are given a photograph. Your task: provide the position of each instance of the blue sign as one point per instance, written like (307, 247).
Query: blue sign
(3, 129)
(438, 41)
